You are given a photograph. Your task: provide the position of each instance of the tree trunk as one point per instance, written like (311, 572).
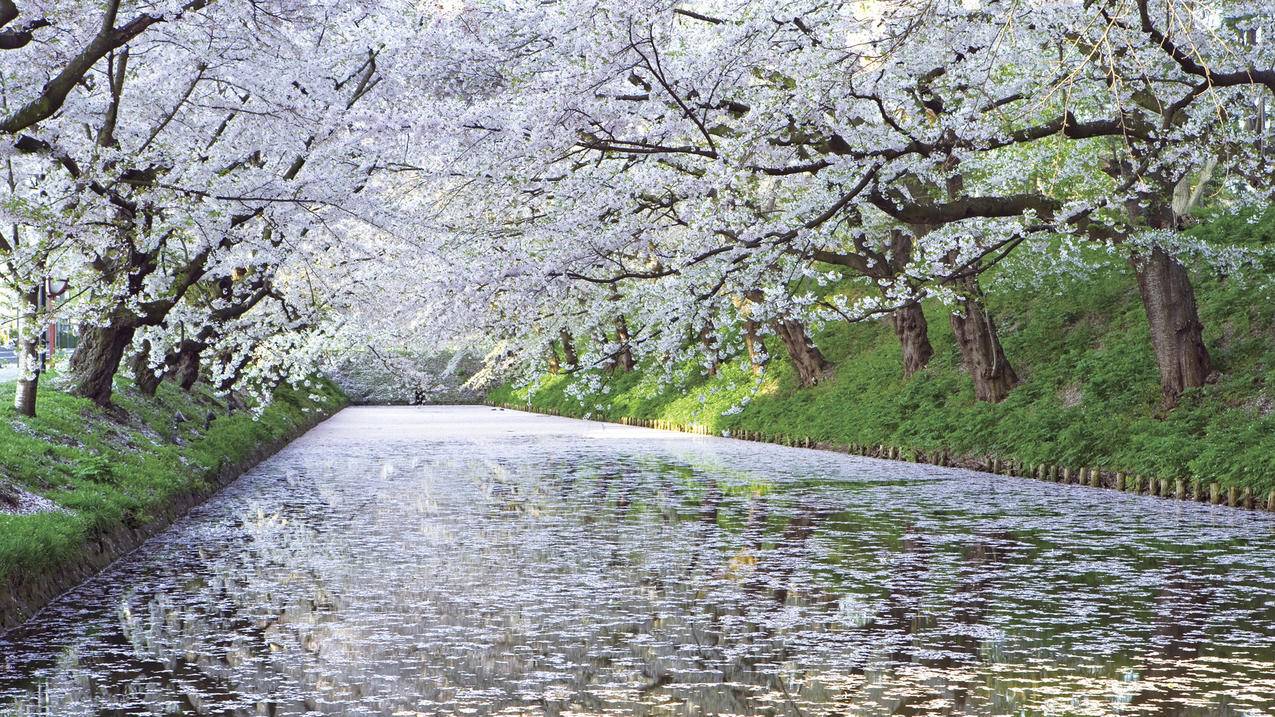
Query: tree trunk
(24, 396)
(95, 361)
(981, 352)
(624, 357)
(1176, 330)
(186, 369)
(708, 339)
(144, 376)
(913, 332)
(552, 358)
(569, 355)
(806, 358)
(755, 347)
(231, 370)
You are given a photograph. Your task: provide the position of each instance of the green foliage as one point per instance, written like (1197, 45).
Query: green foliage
(119, 468)
(1091, 395)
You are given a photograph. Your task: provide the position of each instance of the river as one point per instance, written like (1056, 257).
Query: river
(473, 561)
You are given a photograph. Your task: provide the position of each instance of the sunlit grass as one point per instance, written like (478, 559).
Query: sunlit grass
(109, 470)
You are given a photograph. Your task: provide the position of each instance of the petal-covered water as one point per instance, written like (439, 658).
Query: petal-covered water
(459, 561)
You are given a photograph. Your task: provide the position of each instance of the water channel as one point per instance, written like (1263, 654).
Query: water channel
(475, 561)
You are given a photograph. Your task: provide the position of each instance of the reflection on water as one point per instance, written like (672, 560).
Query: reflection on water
(471, 561)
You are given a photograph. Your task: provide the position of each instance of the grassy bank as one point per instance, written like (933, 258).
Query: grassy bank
(1090, 395)
(120, 469)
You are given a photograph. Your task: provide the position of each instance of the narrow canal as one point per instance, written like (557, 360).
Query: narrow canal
(458, 561)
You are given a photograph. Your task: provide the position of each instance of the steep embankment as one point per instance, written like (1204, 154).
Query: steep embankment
(117, 478)
(1090, 396)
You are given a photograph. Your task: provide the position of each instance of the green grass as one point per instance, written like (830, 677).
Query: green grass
(119, 468)
(1090, 398)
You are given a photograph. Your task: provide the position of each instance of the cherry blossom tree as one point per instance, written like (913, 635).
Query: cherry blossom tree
(238, 189)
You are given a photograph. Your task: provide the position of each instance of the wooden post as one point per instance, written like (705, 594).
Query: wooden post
(1215, 493)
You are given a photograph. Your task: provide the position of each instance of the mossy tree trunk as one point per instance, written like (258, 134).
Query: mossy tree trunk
(708, 339)
(1177, 334)
(624, 355)
(981, 353)
(551, 358)
(569, 356)
(807, 359)
(145, 377)
(914, 338)
(186, 368)
(97, 358)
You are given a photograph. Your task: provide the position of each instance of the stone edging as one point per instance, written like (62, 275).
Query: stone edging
(23, 595)
(1178, 489)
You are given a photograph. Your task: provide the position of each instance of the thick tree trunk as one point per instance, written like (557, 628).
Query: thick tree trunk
(143, 375)
(24, 396)
(186, 368)
(913, 332)
(1177, 335)
(97, 358)
(569, 356)
(708, 339)
(981, 352)
(624, 357)
(806, 358)
(755, 347)
(552, 358)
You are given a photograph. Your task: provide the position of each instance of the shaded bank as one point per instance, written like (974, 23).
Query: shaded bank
(118, 477)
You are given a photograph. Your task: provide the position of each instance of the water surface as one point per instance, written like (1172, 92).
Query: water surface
(471, 561)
